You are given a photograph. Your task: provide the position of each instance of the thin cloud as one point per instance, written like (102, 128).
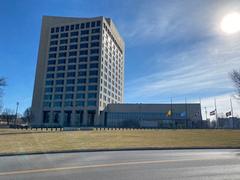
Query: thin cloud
(205, 68)
(200, 68)
(168, 21)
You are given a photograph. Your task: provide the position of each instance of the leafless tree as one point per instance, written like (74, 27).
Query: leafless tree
(1, 106)
(235, 75)
(2, 82)
(8, 115)
(27, 115)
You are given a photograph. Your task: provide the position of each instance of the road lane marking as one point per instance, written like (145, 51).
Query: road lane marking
(29, 171)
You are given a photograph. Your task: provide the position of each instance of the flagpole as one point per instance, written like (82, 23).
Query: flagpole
(215, 103)
(231, 111)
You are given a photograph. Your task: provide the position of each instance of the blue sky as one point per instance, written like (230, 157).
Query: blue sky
(173, 48)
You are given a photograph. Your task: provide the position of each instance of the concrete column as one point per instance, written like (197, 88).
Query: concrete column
(85, 118)
(61, 118)
(73, 118)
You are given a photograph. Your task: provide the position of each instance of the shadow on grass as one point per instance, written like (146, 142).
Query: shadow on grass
(32, 132)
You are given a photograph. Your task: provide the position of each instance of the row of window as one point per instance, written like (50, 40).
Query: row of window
(72, 74)
(72, 60)
(69, 104)
(74, 40)
(76, 26)
(72, 67)
(70, 88)
(73, 53)
(74, 33)
(70, 81)
(70, 96)
(74, 46)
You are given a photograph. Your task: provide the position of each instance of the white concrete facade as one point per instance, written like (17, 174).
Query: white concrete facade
(80, 70)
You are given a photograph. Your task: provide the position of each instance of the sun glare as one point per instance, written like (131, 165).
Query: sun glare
(231, 23)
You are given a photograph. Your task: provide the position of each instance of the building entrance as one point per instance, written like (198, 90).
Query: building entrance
(67, 118)
(91, 115)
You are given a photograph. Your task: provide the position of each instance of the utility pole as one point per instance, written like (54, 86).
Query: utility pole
(16, 114)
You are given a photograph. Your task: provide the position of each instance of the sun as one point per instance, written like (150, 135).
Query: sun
(230, 23)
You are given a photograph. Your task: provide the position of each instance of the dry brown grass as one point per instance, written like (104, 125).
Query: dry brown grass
(18, 141)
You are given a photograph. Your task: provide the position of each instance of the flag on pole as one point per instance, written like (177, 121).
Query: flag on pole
(212, 113)
(228, 113)
(169, 113)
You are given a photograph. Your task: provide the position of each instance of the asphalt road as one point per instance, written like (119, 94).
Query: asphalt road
(124, 165)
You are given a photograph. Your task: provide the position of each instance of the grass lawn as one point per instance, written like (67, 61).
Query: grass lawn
(18, 141)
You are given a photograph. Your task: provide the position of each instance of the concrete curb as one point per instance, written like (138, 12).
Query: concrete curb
(117, 149)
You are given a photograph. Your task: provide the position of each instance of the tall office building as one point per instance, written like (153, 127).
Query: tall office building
(80, 70)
